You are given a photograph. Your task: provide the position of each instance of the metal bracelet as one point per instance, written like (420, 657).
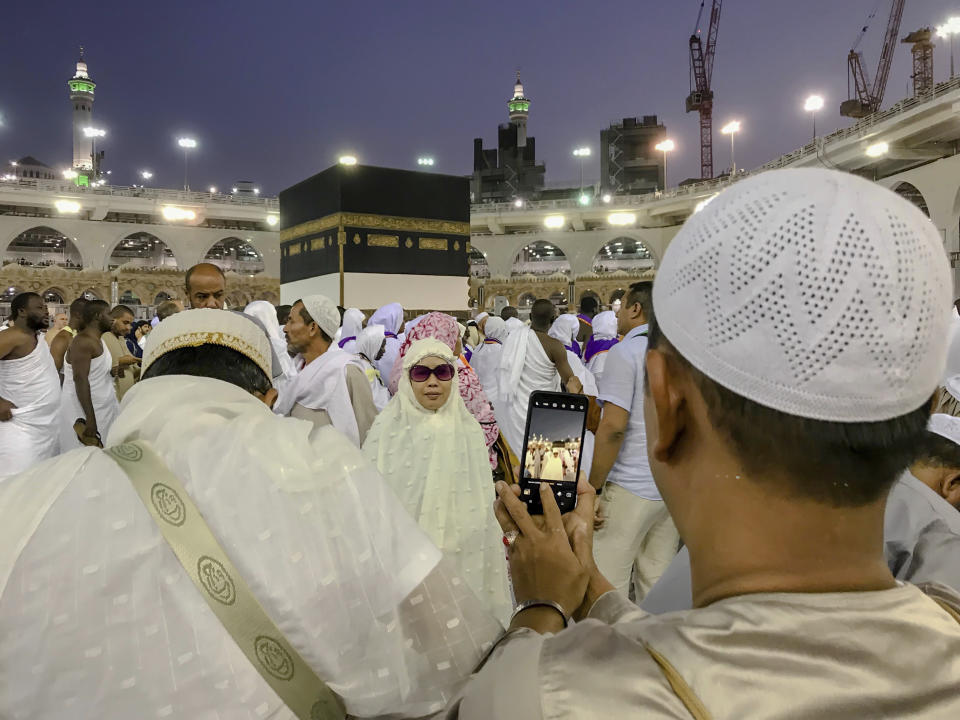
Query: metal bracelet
(526, 604)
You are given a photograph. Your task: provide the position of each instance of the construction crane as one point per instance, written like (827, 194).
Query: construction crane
(701, 93)
(922, 52)
(869, 97)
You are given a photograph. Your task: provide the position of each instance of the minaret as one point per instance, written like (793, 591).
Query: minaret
(519, 110)
(81, 97)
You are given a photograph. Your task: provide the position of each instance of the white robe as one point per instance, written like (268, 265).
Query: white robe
(33, 435)
(99, 620)
(103, 394)
(486, 364)
(589, 388)
(524, 368)
(322, 385)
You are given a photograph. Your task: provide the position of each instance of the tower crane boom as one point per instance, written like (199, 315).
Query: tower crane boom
(870, 97)
(701, 92)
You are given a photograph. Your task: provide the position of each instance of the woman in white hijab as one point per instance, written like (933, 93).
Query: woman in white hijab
(370, 346)
(432, 451)
(267, 315)
(350, 329)
(604, 338)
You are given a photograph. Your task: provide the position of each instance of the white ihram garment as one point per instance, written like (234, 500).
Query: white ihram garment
(437, 463)
(322, 385)
(99, 620)
(524, 368)
(33, 435)
(103, 394)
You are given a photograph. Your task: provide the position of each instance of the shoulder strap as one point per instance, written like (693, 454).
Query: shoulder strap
(222, 586)
(679, 686)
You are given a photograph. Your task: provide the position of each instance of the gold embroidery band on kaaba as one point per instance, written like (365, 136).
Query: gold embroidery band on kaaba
(433, 243)
(390, 241)
(375, 222)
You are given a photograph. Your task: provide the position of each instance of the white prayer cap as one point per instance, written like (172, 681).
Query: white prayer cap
(193, 328)
(324, 312)
(813, 292)
(480, 317)
(946, 426)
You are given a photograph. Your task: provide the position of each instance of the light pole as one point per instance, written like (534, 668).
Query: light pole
(425, 161)
(666, 146)
(93, 133)
(187, 144)
(950, 28)
(731, 129)
(581, 152)
(812, 105)
(146, 174)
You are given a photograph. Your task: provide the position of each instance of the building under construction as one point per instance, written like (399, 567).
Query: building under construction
(629, 162)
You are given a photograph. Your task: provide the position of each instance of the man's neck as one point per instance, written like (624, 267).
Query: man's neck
(781, 543)
(313, 351)
(91, 331)
(639, 322)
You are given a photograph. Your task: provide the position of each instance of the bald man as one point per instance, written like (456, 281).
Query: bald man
(206, 286)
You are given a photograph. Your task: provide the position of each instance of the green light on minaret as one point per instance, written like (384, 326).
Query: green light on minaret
(82, 86)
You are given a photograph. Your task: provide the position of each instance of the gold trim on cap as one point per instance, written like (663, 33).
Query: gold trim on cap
(198, 338)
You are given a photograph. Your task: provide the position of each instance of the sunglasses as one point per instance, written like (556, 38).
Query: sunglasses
(422, 373)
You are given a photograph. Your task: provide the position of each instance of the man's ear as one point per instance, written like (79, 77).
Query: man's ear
(950, 488)
(668, 401)
(268, 398)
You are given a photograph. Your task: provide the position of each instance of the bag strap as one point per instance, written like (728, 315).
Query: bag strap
(222, 586)
(679, 686)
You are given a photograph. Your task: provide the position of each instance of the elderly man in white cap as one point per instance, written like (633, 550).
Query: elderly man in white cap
(799, 335)
(331, 387)
(221, 562)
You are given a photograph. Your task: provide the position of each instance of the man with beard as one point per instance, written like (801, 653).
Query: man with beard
(29, 388)
(88, 393)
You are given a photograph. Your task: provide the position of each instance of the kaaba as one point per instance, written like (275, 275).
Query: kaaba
(365, 236)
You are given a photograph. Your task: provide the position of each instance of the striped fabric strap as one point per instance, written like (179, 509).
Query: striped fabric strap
(222, 586)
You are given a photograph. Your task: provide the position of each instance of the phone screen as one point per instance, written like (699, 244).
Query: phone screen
(552, 448)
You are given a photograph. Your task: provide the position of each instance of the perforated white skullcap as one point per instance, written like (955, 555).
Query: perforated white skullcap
(813, 292)
(946, 426)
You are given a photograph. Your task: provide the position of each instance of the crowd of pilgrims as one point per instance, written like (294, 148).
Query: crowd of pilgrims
(768, 518)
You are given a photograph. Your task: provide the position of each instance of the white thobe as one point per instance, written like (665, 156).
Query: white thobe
(524, 368)
(33, 434)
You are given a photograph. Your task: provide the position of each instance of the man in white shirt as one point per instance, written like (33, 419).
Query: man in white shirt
(636, 537)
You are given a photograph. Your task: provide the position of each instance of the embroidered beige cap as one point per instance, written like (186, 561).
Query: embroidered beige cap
(193, 328)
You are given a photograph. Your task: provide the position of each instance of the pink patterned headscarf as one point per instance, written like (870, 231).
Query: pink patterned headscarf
(443, 327)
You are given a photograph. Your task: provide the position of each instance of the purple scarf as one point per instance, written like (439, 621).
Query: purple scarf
(574, 347)
(345, 341)
(595, 346)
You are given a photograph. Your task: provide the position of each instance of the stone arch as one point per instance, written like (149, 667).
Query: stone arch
(162, 297)
(9, 293)
(235, 254)
(526, 300)
(129, 296)
(623, 253)
(540, 258)
(43, 246)
(94, 293)
(910, 192)
(142, 250)
(55, 295)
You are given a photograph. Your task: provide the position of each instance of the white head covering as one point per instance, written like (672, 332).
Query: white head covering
(514, 324)
(369, 341)
(495, 329)
(390, 316)
(193, 328)
(565, 328)
(605, 325)
(266, 314)
(437, 463)
(946, 426)
(813, 292)
(480, 317)
(352, 323)
(324, 312)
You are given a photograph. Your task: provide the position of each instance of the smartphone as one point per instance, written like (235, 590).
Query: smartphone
(553, 441)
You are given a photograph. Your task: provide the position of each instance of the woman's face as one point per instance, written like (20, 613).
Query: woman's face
(432, 393)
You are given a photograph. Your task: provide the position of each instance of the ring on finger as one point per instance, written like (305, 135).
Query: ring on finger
(510, 537)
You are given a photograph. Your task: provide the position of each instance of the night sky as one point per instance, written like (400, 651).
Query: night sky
(275, 91)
